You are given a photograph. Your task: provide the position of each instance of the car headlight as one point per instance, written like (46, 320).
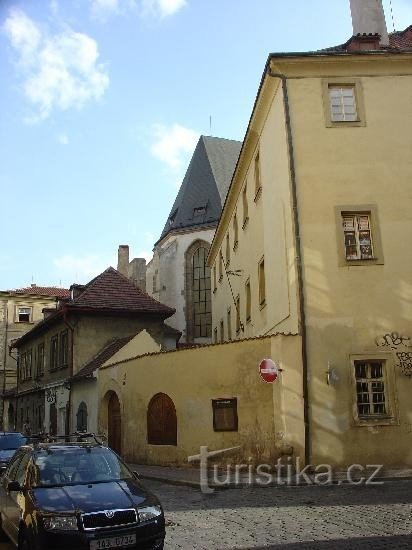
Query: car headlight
(149, 512)
(65, 523)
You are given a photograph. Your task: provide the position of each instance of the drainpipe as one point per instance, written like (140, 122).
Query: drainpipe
(298, 245)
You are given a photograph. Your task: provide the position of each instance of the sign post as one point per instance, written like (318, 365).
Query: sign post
(269, 370)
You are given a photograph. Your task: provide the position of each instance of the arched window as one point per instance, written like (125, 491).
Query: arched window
(81, 424)
(198, 292)
(161, 421)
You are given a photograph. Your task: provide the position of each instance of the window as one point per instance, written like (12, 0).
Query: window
(214, 279)
(81, 418)
(258, 182)
(22, 366)
(229, 324)
(154, 281)
(358, 236)
(222, 331)
(248, 300)
(227, 250)
(24, 314)
(262, 283)
(64, 349)
(225, 415)
(343, 102)
(202, 312)
(359, 240)
(161, 421)
(54, 352)
(235, 232)
(237, 302)
(215, 335)
(220, 266)
(374, 399)
(370, 389)
(40, 360)
(29, 357)
(245, 207)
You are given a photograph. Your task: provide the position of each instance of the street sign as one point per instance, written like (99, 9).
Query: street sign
(268, 370)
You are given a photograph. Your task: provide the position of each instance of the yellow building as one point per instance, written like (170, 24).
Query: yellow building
(313, 239)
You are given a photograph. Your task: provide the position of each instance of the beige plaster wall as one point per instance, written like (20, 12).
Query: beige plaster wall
(270, 418)
(350, 308)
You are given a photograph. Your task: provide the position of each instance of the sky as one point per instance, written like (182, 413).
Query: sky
(103, 102)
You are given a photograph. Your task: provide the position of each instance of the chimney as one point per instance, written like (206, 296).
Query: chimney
(368, 18)
(123, 259)
(137, 273)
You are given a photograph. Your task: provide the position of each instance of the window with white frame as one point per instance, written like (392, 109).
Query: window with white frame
(371, 396)
(24, 314)
(342, 103)
(358, 236)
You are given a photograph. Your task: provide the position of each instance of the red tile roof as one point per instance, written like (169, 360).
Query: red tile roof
(112, 291)
(401, 39)
(34, 290)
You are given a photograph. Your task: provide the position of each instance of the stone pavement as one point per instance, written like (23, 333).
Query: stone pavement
(290, 517)
(190, 476)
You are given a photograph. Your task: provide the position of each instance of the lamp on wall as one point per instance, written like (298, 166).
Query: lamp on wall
(331, 376)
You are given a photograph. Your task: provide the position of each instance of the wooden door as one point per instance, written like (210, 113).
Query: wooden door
(115, 424)
(161, 421)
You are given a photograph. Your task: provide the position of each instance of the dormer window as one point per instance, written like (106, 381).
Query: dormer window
(199, 211)
(172, 217)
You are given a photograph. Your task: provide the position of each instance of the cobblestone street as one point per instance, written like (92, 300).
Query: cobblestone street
(294, 518)
(301, 518)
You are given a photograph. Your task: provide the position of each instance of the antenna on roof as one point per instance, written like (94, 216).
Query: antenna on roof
(393, 19)
(210, 125)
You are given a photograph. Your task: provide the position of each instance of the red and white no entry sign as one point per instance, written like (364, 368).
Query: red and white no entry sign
(268, 370)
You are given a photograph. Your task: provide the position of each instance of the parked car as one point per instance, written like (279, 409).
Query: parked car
(77, 495)
(9, 443)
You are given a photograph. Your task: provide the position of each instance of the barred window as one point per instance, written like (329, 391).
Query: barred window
(370, 388)
(357, 236)
(202, 312)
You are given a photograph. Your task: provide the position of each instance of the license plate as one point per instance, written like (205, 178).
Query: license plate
(113, 542)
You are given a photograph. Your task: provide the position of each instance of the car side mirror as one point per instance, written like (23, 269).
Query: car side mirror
(14, 486)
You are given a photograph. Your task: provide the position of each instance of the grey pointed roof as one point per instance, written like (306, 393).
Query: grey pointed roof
(203, 191)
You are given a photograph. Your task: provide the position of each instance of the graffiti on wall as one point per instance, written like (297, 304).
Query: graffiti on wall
(398, 343)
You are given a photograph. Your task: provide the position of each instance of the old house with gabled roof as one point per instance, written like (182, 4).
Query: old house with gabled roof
(59, 353)
(20, 310)
(177, 275)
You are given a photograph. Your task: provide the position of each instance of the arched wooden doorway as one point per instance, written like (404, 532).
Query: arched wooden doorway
(161, 421)
(114, 423)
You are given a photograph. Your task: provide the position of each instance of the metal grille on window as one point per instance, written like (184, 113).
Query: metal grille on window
(370, 388)
(342, 104)
(358, 236)
(202, 312)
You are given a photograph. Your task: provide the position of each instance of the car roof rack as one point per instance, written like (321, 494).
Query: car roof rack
(75, 438)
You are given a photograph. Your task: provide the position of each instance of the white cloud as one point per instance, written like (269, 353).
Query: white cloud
(72, 269)
(162, 8)
(172, 144)
(63, 139)
(59, 71)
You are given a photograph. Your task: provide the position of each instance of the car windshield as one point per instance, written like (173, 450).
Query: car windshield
(71, 465)
(9, 442)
